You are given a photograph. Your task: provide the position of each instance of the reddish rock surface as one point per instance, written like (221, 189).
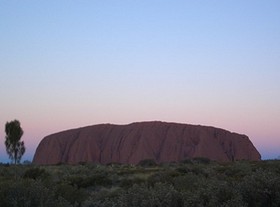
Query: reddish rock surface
(163, 142)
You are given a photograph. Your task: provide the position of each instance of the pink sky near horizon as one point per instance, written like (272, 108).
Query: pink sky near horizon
(35, 130)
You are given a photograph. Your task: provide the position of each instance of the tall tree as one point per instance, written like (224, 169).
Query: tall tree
(14, 147)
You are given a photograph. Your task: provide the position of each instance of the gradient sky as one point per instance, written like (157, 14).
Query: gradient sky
(68, 64)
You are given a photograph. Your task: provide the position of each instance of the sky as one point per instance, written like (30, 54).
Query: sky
(68, 64)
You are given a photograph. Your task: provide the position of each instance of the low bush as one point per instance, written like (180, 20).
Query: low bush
(202, 160)
(161, 194)
(28, 193)
(147, 163)
(35, 173)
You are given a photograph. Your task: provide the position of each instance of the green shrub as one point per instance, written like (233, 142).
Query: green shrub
(262, 188)
(188, 182)
(163, 195)
(89, 181)
(159, 177)
(70, 193)
(213, 193)
(147, 163)
(104, 198)
(28, 193)
(129, 182)
(202, 160)
(35, 173)
(187, 161)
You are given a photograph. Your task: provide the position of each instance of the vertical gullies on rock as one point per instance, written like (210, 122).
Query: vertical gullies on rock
(163, 142)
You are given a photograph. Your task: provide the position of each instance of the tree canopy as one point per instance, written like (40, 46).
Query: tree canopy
(14, 146)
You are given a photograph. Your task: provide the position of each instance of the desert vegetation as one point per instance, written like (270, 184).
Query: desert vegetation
(197, 182)
(14, 146)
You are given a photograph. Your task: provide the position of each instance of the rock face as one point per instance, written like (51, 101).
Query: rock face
(160, 141)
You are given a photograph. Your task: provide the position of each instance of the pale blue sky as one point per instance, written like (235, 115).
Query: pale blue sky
(66, 64)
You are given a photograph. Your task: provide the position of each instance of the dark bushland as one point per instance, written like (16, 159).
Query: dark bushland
(191, 183)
